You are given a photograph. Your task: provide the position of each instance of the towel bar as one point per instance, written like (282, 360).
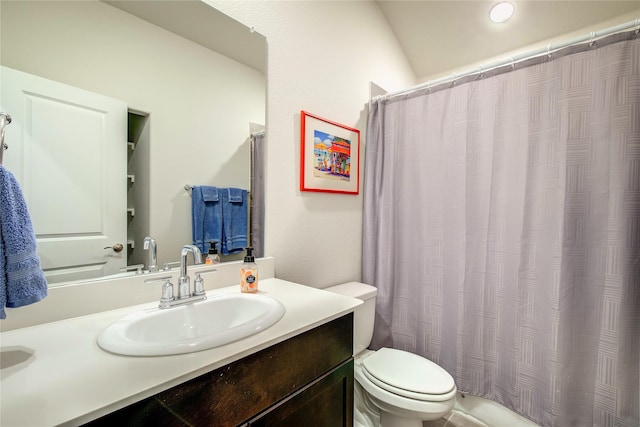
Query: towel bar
(188, 187)
(5, 119)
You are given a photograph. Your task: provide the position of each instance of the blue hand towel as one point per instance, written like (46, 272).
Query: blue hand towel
(206, 216)
(22, 281)
(234, 220)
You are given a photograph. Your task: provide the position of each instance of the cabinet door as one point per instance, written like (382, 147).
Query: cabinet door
(326, 402)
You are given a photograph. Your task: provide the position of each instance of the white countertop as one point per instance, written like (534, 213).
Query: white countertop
(55, 373)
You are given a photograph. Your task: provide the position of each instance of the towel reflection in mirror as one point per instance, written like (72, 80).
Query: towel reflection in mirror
(219, 215)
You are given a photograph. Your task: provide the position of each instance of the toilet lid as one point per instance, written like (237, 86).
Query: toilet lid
(399, 371)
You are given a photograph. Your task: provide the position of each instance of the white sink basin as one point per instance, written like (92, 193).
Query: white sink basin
(202, 325)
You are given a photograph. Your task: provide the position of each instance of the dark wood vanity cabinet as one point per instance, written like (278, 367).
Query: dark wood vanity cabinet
(306, 381)
(327, 402)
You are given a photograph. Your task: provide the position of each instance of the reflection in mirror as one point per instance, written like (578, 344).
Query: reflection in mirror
(187, 116)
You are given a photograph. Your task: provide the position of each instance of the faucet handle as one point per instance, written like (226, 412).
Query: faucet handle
(198, 283)
(198, 286)
(137, 267)
(167, 265)
(167, 290)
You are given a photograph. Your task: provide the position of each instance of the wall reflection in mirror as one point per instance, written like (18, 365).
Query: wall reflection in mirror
(185, 112)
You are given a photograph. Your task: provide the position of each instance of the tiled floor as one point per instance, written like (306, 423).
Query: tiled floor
(454, 419)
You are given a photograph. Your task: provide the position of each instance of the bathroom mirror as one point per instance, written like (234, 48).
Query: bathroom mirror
(194, 84)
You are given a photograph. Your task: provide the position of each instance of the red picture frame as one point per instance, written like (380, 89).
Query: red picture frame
(329, 156)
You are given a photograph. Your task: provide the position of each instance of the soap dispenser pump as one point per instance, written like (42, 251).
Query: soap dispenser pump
(249, 273)
(212, 256)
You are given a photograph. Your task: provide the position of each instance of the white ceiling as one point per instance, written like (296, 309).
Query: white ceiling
(439, 37)
(202, 24)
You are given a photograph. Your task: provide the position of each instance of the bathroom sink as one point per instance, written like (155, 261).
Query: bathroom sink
(202, 325)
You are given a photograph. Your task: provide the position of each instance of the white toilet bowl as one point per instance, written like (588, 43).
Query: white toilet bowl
(394, 388)
(407, 389)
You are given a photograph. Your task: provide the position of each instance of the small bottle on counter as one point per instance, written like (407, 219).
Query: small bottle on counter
(249, 273)
(212, 256)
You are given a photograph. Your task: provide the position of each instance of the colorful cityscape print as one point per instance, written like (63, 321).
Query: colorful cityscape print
(332, 156)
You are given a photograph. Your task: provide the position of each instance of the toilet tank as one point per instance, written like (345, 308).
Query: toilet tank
(363, 315)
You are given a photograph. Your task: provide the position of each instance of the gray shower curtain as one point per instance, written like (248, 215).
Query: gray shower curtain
(257, 193)
(502, 230)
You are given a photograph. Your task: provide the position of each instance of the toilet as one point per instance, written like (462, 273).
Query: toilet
(393, 388)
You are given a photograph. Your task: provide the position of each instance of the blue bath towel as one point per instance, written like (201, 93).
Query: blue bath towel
(206, 216)
(234, 220)
(22, 281)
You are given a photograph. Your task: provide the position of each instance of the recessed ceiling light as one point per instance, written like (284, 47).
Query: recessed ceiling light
(501, 12)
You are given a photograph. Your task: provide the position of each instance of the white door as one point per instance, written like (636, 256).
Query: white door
(68, 151)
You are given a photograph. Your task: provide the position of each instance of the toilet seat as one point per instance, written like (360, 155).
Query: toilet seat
(408, 375)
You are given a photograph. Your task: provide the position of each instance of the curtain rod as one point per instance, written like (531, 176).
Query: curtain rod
(548, 50)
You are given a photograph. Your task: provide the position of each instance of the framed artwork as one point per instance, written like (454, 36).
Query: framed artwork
(330, 156)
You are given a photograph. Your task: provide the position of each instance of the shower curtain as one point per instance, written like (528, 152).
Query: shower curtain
(257, 193)
(502, 230)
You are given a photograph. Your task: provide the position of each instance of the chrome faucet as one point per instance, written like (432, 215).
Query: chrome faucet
(168, 299)
(184, 288)
(151, 246)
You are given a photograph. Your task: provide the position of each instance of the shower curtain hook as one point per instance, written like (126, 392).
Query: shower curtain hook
(429, 86)
(592, 40)
(513, 63)
(454, 77)
(480, 72)
(549, 54)
(637, 27)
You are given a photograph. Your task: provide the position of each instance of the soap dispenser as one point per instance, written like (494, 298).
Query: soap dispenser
(212, 257)
(249, 273)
